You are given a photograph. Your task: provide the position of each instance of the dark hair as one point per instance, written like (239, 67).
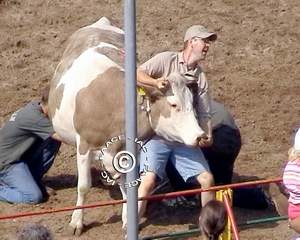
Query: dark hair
(34, 231)
(212, 220)
(45, 95)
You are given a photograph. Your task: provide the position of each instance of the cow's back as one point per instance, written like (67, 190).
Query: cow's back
(88, 84)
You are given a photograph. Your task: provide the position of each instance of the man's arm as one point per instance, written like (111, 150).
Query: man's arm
(152, 71)
(207, 128)
(144, 79)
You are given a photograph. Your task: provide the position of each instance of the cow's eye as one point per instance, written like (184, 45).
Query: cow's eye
(174, 105)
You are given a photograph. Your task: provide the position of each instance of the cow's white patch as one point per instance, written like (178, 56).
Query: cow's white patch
(177, 124)
(86, 68)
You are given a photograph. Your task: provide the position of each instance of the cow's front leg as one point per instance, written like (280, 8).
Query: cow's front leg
(124, 208)
(84, 184)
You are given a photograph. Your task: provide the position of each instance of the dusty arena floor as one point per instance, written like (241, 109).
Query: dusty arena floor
(253, 68)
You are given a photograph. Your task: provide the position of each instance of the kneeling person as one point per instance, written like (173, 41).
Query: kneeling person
(28, 146)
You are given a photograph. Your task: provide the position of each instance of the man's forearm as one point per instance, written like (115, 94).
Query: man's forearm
(144, 79)
(205, 124)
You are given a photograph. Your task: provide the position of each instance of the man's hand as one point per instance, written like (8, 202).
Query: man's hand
(162, 83)
(205, 141)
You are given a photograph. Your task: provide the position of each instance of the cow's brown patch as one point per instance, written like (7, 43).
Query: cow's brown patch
(159, 108)
(158, 101)
(165, 109)
(99, 109)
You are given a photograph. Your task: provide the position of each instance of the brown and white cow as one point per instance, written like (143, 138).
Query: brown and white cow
(86, 103)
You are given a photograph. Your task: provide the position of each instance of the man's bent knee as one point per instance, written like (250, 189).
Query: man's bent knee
(33, 198)
(206, 179)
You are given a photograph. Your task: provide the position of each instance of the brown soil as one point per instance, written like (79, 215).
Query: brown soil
(253, 68)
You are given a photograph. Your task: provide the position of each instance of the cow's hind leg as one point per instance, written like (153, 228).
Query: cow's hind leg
(84, 184)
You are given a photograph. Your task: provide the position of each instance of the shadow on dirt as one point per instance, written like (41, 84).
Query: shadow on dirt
(63, 181)
(255, 206)
(160, 214)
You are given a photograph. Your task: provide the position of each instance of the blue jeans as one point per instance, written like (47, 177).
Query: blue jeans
(21, 181)
(220, 155)
(188, 161)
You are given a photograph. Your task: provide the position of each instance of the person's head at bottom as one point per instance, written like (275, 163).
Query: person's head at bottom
(34, 231)
(213, 219)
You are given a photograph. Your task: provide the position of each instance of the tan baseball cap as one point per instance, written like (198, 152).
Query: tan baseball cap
(199, 31)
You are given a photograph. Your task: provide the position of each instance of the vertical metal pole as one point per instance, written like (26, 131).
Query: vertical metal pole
(130, 114)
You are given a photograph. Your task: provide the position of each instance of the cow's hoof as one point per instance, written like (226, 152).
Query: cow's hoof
(74, 230)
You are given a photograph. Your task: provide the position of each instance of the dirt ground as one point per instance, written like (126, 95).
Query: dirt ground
(253, 68)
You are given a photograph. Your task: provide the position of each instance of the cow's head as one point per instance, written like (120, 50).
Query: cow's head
(173, 115)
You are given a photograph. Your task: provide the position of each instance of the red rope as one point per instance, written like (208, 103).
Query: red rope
(149, 198)
(215, 188)
(48, 211)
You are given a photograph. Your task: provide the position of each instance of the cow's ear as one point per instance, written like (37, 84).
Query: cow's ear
(155, 95)
(169, 92)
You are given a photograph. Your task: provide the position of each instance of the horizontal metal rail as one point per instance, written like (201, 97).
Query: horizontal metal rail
(156, 197)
